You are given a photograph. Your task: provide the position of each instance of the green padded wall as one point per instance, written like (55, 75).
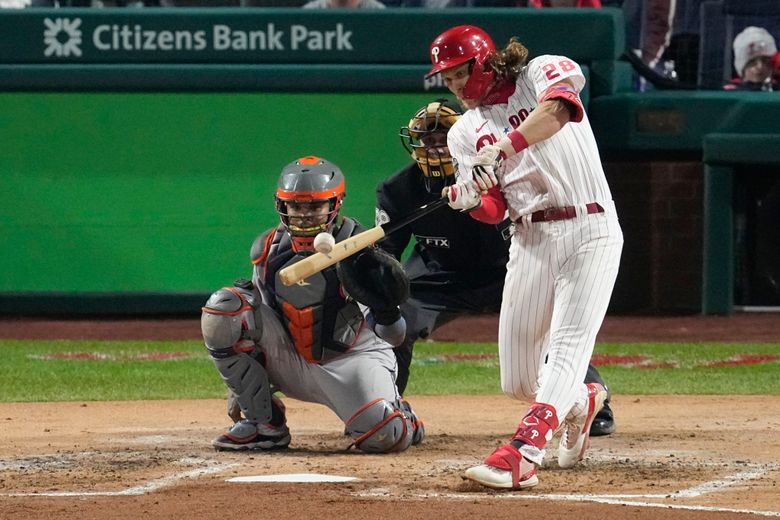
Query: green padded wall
(154, 192)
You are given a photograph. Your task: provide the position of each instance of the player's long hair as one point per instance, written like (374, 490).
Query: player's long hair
(508, 61)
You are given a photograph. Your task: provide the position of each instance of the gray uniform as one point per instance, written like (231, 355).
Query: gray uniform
(312, 343)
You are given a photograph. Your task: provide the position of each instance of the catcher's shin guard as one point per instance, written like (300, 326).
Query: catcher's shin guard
(229, 332)
(248, 380)
(384, 427)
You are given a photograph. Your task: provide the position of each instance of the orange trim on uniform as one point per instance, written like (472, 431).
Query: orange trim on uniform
(266, 248)
(301, 322)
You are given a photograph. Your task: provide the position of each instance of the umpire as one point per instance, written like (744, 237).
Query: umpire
(458, 264)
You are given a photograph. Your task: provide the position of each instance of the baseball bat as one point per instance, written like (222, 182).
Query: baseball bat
(349, 246)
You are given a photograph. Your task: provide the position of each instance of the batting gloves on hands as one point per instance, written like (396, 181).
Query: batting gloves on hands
(485, 177)
(463, 196)
(489, 154)
(484, 169)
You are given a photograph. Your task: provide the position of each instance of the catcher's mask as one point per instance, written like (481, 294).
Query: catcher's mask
(308, 199)
(461, 44)
(425, 138)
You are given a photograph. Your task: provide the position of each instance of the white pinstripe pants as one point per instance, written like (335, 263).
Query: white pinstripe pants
(559, 282)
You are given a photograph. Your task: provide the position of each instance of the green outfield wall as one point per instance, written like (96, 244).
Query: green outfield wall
(154, 192)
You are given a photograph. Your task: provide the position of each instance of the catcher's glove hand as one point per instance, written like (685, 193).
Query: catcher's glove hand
(376, 279)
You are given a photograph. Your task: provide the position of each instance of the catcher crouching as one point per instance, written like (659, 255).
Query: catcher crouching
(326, 340)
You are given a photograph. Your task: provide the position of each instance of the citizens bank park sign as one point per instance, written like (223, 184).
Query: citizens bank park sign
(65, 37)
(205, 36)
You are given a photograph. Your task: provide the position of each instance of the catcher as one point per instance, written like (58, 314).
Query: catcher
(327, 340)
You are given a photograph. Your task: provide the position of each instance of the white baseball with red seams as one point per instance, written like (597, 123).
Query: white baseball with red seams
(560, 273)
(323, 243)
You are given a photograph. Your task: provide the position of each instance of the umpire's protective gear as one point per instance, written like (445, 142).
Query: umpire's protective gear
(376, 279)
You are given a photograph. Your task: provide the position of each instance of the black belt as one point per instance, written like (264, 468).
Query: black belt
(565, 213)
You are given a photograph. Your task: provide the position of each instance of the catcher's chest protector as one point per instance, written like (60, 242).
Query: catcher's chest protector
(321, 322)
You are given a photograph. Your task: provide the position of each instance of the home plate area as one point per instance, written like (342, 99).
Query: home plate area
(154, 459)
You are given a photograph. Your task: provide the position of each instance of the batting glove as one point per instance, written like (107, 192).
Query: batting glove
(463, 196)
(488, 155)
(484, 176)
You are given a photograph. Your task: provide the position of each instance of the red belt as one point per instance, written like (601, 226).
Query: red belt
(567, 212)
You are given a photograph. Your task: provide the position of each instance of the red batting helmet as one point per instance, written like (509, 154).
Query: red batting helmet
(458, 45)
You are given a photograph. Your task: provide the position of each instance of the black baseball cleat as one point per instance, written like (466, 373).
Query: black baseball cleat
(604, 423)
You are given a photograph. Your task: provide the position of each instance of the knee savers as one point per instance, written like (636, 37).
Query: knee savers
(229, 331)
(228, 321)
(383, 427)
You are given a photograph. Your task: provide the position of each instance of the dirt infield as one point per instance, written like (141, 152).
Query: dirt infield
(682, 457)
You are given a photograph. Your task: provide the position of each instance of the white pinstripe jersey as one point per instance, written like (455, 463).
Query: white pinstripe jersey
(563, 170)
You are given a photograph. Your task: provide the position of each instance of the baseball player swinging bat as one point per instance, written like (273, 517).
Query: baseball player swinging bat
(318, 261)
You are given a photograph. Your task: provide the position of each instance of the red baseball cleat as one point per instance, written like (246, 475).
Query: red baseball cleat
(506, 468)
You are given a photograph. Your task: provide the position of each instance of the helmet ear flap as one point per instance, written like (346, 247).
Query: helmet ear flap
(480, 78)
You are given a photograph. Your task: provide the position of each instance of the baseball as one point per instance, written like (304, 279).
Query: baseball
(324, 242)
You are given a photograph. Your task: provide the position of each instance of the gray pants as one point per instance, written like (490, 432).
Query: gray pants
(345, 384)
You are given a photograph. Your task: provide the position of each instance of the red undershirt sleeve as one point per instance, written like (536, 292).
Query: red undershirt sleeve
(493, 207)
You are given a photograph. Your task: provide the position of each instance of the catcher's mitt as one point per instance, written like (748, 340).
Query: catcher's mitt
(376, 279)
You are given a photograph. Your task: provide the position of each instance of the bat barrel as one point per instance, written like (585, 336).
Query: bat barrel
(315, 263)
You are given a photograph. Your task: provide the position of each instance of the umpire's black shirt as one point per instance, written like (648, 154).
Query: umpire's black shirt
(446, 240)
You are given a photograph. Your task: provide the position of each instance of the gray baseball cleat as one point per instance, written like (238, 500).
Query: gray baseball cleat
(246, 435)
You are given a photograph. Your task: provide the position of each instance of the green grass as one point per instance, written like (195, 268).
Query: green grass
(36, 370)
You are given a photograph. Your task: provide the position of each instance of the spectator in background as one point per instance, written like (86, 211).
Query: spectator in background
(756, 61)
(649, 27)
(336, 4)
(564, 3)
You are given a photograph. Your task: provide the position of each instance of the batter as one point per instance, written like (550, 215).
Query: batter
(458, 264)
(525, 146)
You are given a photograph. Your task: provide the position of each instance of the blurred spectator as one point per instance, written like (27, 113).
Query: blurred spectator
(335, 4)
(61, 3)
(682, 49)
(93, 3)
(649, 27)
(14, 4)
(756, 61)
(564, 3)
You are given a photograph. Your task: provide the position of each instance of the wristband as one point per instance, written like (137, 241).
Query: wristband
(518, 140)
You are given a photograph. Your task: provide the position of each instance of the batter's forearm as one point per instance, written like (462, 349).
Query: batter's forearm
(544, 122)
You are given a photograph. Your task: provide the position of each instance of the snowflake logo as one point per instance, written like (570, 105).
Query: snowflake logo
(62, 37)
